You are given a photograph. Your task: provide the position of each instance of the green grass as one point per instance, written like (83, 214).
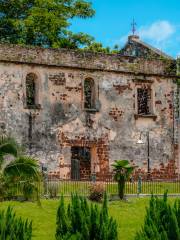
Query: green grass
(129, 216)
(44, 217)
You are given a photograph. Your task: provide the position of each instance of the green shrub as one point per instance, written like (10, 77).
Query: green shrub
(14, 228)
(80, 221)
(53, 188)
(96, 192)
(162, 221)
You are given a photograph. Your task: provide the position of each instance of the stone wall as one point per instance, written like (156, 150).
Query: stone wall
(82, 60)
(61, 122)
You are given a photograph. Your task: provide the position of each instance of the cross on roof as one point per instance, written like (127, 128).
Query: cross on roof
(133, 24)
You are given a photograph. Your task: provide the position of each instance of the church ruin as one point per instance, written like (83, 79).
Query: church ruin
(79, 111)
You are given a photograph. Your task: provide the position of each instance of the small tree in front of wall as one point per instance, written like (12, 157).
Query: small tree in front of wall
(122, 170)
(81, 220)
(13, 227)
(162, 220)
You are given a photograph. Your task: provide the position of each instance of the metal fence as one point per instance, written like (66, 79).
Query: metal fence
(66, 187)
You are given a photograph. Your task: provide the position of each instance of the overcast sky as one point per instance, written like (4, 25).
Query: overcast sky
(158, 22)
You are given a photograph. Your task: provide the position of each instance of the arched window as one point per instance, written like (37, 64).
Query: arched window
(89, 94)
(31, 90)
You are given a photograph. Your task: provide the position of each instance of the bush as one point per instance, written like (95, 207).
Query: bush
(81, 221)
(13, 228)
(96, 192)
(53, 189)
(162, 221)
(29, 190)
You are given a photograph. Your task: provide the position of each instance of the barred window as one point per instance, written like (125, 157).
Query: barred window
(89, 94)
(144, 105)
(31, 90)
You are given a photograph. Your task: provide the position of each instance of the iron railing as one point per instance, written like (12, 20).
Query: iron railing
(156, 186)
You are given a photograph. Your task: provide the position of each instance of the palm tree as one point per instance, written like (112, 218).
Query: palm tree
(122, 170)
(22, 171)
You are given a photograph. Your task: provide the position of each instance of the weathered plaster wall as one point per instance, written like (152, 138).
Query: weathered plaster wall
(111, 132)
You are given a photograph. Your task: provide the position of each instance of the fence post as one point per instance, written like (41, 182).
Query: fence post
(93, 177)
(139, 184)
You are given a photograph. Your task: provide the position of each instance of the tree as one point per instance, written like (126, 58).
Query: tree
(22, 171)
(81, 220)
(43, 23)
(122, 170)
(13, 227)
(161, 221)
(98, 47)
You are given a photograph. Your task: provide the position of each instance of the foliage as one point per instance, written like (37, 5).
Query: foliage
(22, 167)
(178, 65)
(98, 47)
(43, 23)
(178, 70)
(22, 173)
(170, 66)
(46, 24)
(53, 188)
(14, 228)
(96, 192)
(169, 63)
(7, 147)
(162, 222)
(83, 221)
(122, 170)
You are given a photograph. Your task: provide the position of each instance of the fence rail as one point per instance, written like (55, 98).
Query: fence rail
(66, 187)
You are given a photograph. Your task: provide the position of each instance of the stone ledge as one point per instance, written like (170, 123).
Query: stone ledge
(151, 116)
(31, 107)
(91, 110)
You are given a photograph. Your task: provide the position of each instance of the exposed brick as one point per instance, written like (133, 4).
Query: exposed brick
(116, 113)
(158, 102)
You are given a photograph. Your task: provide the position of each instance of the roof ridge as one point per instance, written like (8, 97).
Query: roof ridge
(156, 50)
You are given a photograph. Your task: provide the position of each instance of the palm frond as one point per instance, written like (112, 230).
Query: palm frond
(120, 163)
(8, 146)
(122, 168)
(23, 168)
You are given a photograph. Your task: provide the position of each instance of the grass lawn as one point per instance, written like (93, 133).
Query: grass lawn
(129, 216)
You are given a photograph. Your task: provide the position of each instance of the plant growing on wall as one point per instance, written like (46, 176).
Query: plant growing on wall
(178, 70)
(122, 170)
